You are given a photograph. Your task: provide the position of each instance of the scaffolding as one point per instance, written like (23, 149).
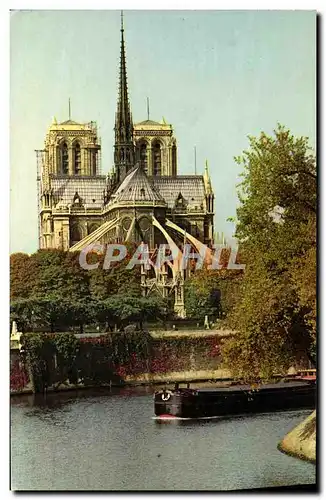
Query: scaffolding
(99, 157)
(39, 170)
(92, 125)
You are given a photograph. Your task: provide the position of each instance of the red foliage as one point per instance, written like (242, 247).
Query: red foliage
(214, 348)
(18, 377)
(101, 340)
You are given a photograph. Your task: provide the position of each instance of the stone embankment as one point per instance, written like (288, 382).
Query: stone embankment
(301, 441)
(191, 376)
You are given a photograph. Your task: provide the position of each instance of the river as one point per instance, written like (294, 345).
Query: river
(96, 440)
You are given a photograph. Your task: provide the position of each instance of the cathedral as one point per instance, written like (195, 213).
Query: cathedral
(143, 199)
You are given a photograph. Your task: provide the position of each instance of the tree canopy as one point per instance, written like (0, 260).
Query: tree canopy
(50, 290)
(275, 318)
(212, 292)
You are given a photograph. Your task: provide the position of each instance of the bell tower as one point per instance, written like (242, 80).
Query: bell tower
(72, 149)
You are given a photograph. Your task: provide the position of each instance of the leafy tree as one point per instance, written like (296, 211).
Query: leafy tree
(115, 280)
(276, 227)
(20, 282)
(67, 347)
(212, 292)
(120, 310)
(22, 311)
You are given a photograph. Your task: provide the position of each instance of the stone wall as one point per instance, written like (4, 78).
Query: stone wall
(98, 362)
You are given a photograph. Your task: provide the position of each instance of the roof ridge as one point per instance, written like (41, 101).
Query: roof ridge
(137, 186)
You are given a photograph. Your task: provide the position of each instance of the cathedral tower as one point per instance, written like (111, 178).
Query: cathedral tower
(124, 146)
(156, 148)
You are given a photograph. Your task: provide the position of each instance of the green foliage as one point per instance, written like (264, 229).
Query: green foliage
(38, 349)
(115, 280)
(212, 292)
(52, 292)
(66, 345)
(20, 271)
(276, 227)
(121, 310)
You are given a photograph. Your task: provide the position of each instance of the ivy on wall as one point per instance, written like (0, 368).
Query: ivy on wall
(54, 359)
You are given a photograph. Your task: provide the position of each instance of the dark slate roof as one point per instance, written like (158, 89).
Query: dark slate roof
(88, 188)
(136, 187)
(190, 186)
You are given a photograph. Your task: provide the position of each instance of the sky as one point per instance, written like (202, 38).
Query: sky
(216, 76)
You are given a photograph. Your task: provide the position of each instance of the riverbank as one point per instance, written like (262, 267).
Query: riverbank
(301, 441)
(190, 376)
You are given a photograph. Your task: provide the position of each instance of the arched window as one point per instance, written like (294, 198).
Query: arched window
(93, 228)
(94, 163)
(77, 160)
(143, 156)
(174, 160)
(157, 159)
(64, 159)
(75, 234)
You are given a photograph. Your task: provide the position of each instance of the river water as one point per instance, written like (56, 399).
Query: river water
(110, 441)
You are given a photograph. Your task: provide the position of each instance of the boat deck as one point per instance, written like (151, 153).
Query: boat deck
(247, 387)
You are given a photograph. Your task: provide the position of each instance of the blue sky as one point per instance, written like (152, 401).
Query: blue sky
(217, 76)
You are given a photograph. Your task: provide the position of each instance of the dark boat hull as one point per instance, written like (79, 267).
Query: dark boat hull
(187, 403)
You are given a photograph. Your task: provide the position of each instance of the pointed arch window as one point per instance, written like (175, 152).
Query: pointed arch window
(143, 156)
(77, 159)
(75, 234)
(174, 159)
(157, 160)
(64, 159)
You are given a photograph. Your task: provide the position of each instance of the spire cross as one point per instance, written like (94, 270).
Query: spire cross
(147, 108)
(122, 29)
(69, 109)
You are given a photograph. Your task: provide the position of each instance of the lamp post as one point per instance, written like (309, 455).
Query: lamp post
(32, 320)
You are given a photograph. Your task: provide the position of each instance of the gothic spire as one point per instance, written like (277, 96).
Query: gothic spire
(124, 147)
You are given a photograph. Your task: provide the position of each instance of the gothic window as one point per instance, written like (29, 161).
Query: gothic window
(75, 234)
(64, 158)
(143, 156)
(94, 162)
(77, 160)
(174, 160)
(93, 228)
(157, 159)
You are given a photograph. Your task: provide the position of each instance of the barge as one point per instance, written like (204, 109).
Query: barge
(235, 400)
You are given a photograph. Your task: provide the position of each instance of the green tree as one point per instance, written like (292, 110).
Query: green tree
(120, 310)
(20, 276)
(212, 292)
(276, 227)
(115, 280)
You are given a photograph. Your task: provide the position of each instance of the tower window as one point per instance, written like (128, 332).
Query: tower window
(64, 158)
(94, 163)
(157, 159)
(143, 156)
(77, 160)
(174, 160)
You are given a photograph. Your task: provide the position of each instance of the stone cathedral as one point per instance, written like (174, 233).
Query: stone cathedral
(142, 199)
